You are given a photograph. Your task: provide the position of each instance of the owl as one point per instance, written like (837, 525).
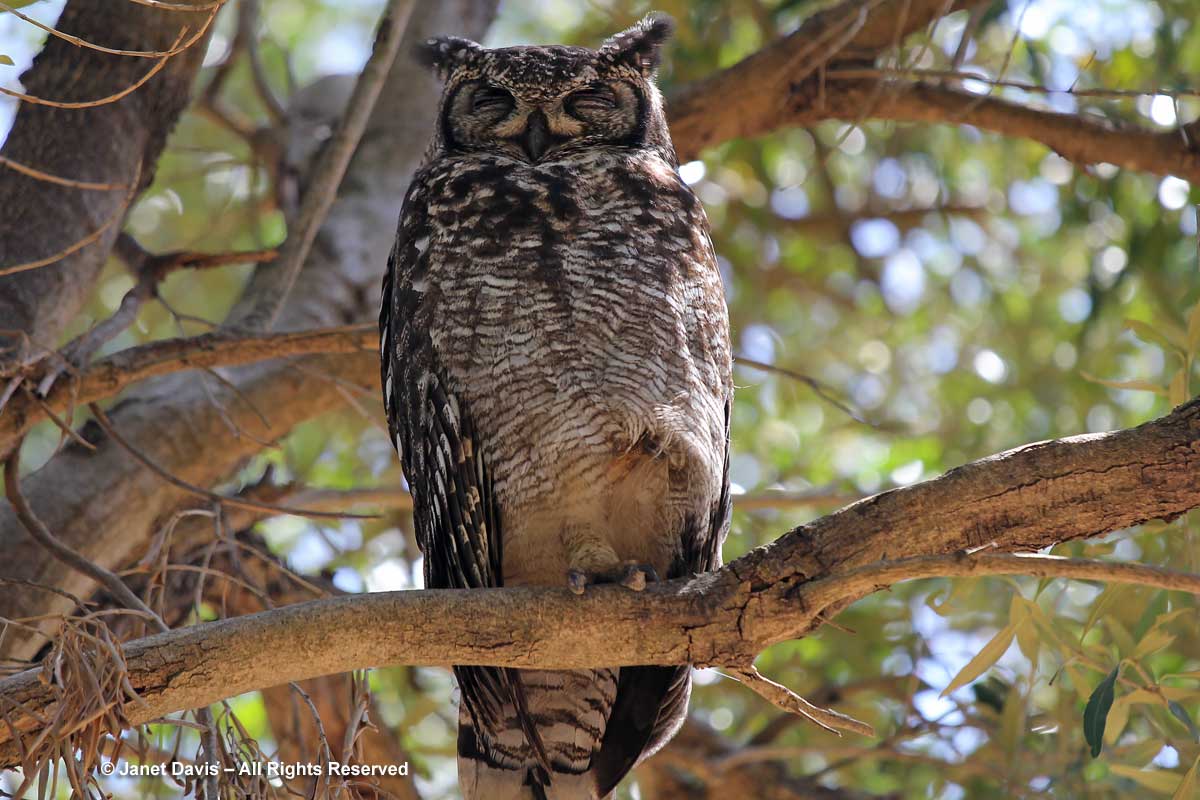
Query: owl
(557, 377)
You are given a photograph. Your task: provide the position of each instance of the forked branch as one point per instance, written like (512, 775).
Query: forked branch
(1027, 498)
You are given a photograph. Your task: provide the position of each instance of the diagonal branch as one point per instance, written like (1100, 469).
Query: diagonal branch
(775, 88)
(750, 98)
(1030, 497)
(1080, 138)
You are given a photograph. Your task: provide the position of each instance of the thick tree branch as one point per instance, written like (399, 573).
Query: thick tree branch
(750, 98)
(1026, 498)
(113, 144)
(106, 506)
(797, 82)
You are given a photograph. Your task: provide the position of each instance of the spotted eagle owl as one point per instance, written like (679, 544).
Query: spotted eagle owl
(557, 377)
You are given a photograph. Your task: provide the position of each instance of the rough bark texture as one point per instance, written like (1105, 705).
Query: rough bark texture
(751, 97)
(109, 144)
(1026, 498)
(106, 506)
(109, 376)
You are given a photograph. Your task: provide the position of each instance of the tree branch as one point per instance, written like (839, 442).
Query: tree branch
(750, 98)
(1030, 497)
(1079, 138)
(106, 506)
(111, 375)
(85, 150)
(780, 87)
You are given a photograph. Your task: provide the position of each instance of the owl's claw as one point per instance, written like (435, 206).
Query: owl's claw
(631, 574)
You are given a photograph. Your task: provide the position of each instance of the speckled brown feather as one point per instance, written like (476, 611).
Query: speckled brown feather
(556, 371)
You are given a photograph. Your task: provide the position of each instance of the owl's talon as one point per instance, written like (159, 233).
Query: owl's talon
(635, 576)
(577, 580)
(631, 575)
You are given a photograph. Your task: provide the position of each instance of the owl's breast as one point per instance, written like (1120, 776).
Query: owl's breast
(576, 312)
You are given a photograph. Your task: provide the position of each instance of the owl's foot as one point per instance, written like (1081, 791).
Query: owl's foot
(630, 574)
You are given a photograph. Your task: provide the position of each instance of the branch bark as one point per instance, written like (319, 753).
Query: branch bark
(1080, 138)
(121, 370)
(1027, 498)
(103, 504)
(111, 144)
(794, 82)
(750, 98)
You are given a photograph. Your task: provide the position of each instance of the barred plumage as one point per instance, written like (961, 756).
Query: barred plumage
(556, 370)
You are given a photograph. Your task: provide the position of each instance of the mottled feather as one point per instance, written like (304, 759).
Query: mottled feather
(557, 377)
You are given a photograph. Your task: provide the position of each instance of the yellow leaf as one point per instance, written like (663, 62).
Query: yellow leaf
(1193, 329)
(1190, 784)
(1012, 722)
(986, 657)
(1020, 615)
(1152, 642)
(1110, 595)
(1163, 333)
(1178, 393)
(1118, 715)
(1120, 635)
(1156, 780)
(1136, 386)
(941, 604)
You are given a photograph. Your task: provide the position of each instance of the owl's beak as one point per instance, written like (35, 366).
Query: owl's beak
(536, 139)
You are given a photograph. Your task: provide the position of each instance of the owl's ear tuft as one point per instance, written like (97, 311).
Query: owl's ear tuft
(641, 45)
(444, 54)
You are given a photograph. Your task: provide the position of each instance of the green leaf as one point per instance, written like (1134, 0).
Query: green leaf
(1095, 714)
(1180, 713)
(985, 658)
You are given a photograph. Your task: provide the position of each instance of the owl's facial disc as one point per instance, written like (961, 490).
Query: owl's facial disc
(532, 125)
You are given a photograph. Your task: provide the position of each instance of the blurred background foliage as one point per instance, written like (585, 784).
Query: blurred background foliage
(954, 292)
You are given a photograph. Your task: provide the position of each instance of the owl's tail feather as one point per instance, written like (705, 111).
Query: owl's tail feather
(541, 744)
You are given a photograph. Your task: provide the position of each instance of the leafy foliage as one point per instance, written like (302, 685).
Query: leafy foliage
(963, 293)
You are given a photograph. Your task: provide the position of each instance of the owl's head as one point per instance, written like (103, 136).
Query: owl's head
(553, 102)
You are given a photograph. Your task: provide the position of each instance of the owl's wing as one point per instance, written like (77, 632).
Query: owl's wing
(455, 514)
(652, 702)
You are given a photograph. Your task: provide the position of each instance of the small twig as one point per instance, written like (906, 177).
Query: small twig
(78, 42)
(1007, 83)
(976, 17)
(37, 174)
(858, 583)
(150, 270)
(112, 98)
(38, 531)
(821, 390)
(67, 430)
(116, 216)
(106, 424)
(785, 698)
(248, 13)
(331, 165)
